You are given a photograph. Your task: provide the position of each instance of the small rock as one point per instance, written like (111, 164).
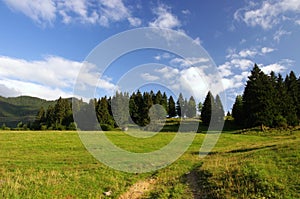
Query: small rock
(107, 193)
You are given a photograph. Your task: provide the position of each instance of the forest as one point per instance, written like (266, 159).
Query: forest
(267, 100)
(112, 112)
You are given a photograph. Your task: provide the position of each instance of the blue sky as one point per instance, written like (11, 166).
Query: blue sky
(44, 42)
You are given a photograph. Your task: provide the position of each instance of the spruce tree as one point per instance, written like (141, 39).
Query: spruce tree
(171, 107)
(191, 108)
(218, 110)
(291, 83)
(206, 112)
(238, 111)
(258, 101)
(164, 101)
(102, 113)
(179, 106)
(120, 109)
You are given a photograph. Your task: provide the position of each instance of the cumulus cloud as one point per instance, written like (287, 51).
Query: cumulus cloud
(52, 76)
(101, 12)
(6, 91)
(149, 77)
(277, 68)
(165, 19)
(267, 14)
(167, 72)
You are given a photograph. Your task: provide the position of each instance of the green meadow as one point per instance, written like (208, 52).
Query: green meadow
(55, 164)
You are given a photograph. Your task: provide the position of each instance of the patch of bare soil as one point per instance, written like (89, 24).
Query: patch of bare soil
(137, 190)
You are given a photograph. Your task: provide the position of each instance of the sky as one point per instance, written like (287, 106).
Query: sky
(43, 43)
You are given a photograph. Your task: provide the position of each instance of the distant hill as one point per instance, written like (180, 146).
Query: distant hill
(20, 109)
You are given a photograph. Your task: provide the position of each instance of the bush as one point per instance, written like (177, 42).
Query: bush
(280, 122)
(106, 127)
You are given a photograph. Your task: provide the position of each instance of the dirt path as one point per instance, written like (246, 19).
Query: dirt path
(137, 190)
(199, 184)
(192, 180)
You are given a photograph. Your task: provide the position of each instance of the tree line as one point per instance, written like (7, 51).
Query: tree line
(116, 111)
(268, 100)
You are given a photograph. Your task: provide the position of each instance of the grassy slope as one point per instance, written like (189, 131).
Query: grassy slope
(55, 164)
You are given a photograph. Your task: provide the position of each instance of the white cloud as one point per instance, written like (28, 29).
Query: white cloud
(266, 50)
(39, 11)
(197, 41)
(114, 10)
(248, 53)
(52, 74)
(243, 64)
(165, 19)
(190, 61)
(225, 69)
(6, 91)
(134, 21)
(168, 72)
(268, 13)
(163, 56)
(277, 68)
(34, 90)
(101, 12)
(149, 77)
(280, 33)
(186, 12)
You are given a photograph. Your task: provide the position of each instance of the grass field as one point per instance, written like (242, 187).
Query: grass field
(56, 165)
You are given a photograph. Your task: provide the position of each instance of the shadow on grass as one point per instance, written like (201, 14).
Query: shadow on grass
(251, 149)
(198, 182)
(243, 150)
(188, 125)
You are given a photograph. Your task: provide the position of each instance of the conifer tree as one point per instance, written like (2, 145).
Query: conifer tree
(238, 111)
(179, 106)
(218, 110)
(171, 107)
(191, 108)
(208, 106)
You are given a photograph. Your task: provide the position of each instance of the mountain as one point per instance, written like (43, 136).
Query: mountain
(20, 109)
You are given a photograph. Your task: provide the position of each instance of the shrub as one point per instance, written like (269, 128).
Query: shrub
(106, 127)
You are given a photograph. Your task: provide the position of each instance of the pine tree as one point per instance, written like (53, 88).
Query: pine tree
(164, 101)
(179, 106)
(171, 107)
(191, 108)
(219, 110)
(291, 83)
(238, 111)
(147, 100)
(50, 117)
(206, 112)
(102, 113)
(258, 103)
(120, 109)
(40, 119)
